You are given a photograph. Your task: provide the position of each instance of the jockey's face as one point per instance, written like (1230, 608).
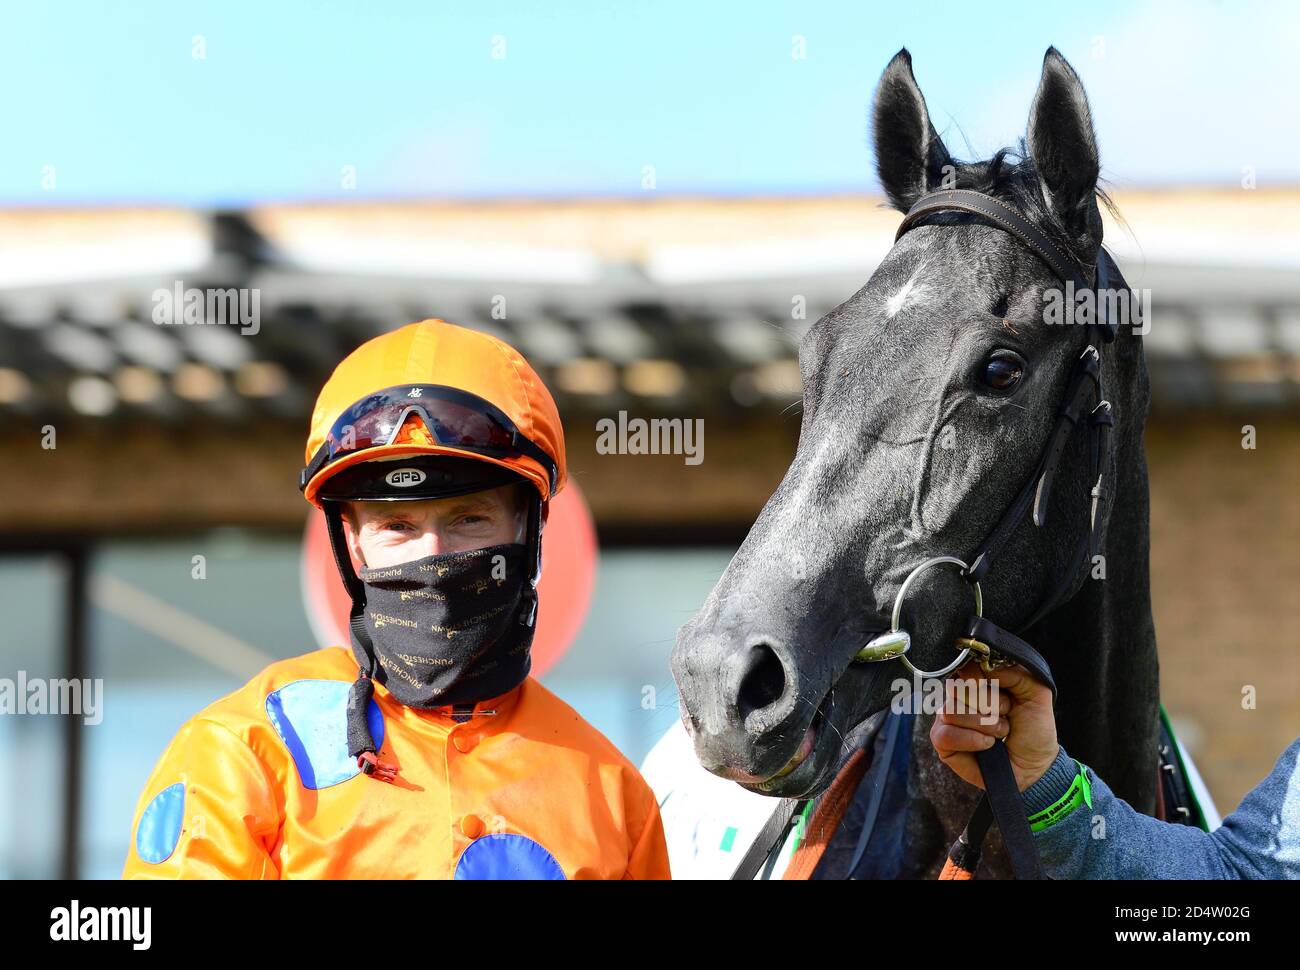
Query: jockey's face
(390, 533)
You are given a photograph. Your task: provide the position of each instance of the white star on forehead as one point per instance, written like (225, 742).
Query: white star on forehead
(896, 302)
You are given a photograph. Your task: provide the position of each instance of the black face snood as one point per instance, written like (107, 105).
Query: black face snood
(451, 629)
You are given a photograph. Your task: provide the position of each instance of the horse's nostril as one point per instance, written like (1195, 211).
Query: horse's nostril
(762, 682)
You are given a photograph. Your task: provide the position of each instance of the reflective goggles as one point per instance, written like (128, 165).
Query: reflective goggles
(455, 418)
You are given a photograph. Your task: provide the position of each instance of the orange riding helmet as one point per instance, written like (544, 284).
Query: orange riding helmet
(433, 388)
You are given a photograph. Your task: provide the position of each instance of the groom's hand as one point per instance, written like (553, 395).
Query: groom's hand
(1019, 711)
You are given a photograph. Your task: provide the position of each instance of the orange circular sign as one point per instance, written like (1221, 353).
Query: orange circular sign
(564, 591)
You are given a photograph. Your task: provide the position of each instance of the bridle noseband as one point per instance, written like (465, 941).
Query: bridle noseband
(1084, 401)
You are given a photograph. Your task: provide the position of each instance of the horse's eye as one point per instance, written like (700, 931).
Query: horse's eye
(1003, 370)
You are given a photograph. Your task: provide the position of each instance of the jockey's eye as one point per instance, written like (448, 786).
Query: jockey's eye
(1003, 370)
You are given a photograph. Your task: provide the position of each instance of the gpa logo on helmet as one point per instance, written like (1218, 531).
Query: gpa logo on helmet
(404, 477)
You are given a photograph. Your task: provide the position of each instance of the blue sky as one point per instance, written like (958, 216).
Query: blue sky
(106, 102)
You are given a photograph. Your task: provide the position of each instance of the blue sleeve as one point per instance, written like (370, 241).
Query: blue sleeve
(1260, 840)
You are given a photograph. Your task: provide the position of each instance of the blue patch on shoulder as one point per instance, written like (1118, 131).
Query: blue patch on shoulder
(311, 717)
(507, 856)
(160, 825)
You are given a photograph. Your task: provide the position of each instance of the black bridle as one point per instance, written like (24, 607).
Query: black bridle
(1083, 402)
(1085, 377)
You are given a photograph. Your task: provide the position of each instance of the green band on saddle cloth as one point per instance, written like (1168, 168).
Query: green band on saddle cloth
(1079, 793)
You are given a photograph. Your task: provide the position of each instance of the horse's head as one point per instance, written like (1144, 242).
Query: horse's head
(927, 400)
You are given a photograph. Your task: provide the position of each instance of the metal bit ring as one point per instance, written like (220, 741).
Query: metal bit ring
(898, 613)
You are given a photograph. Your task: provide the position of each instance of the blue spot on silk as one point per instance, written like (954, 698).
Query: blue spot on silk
(507, 856)
(160, 825)
(311, 717)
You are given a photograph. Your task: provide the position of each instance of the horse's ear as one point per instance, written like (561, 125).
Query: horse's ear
(1063, 145)
(911, 160)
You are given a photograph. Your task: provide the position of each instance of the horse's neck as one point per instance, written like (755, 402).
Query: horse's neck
(1102, 648)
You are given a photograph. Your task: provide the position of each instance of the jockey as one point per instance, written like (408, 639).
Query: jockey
(426, 750)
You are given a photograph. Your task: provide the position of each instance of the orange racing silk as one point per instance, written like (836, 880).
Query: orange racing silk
(259, 785)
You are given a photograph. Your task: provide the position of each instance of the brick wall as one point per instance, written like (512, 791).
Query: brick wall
(1225, 570)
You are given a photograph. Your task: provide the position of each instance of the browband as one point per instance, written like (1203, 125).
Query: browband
(1004, 216)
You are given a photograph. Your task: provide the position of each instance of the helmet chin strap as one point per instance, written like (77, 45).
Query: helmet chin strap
(361, 742)
(533, 540)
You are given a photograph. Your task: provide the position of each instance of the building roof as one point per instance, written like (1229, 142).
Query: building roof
(678, 303)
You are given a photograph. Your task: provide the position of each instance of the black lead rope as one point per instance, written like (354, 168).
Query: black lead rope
(1002, 800)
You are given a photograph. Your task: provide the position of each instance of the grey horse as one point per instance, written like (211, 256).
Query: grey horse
(928, 397)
